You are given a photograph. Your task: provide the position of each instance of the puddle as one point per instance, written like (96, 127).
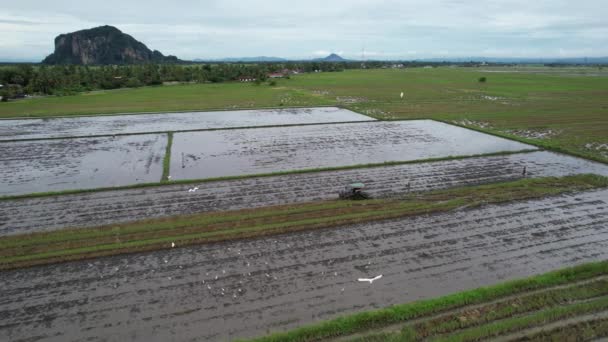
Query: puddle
(253, 151)
(165, 122)
(83, 163)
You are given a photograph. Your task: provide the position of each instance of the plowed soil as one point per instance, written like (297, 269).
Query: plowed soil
(249, 288)
(106, 207)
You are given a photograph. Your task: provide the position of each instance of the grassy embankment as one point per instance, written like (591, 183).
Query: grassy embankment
(167, 159)
(571, 107)
(75, 244)
(513, 309)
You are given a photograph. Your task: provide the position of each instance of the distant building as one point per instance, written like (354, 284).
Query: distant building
(276, 75)
(246, 79)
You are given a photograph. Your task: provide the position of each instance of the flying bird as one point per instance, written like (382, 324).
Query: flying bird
(371, 280)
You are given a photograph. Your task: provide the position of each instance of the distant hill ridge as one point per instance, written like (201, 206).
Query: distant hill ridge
(331, 58)
(103, 45)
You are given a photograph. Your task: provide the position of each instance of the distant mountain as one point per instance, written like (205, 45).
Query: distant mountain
(103, 45)
(331, 58)
(244, 59)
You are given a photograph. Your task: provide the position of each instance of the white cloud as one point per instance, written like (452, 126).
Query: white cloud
(385, 28)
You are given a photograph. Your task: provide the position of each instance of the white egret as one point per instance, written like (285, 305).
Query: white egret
(370, 280)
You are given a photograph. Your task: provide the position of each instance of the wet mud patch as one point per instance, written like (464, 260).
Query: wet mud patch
(350, 99)
(165, 122)
(472, 123)
(83, 163)
(544, 133)
(602, 148)
(265, 150)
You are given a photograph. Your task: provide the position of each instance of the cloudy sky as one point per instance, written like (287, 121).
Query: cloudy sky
(385, 29)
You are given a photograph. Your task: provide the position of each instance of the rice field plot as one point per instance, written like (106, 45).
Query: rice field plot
(166, 122)
(249, 288)
(20, 216)
(209, 154)
(82, 163)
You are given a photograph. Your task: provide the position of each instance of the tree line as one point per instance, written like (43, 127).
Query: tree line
(34, 79)
(22, 79)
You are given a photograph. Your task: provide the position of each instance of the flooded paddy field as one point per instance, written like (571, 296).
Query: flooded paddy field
(209, 154)
(107, 207)
(82, 163)
(165, 122)
(249, 288)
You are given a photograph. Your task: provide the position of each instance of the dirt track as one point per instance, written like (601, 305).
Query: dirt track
(246, 288)
(38, 214)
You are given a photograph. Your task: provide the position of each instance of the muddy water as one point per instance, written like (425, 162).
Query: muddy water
(83, 163)
(248, 288)
(164, 122)
(82, 210)
(239, 152)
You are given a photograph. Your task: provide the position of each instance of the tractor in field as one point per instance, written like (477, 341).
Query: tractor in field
(354, 191)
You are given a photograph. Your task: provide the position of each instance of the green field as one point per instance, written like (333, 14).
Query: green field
(563, 109)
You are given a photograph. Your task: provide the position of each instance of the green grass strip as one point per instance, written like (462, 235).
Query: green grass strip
(515, 324)
(509, 308)
(167, 158)
(271, 174)
(364, 321)
(590, 330)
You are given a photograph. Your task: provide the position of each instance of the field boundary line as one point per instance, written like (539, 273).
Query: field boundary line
(187, 131)
(259, 175)
(167, 159)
